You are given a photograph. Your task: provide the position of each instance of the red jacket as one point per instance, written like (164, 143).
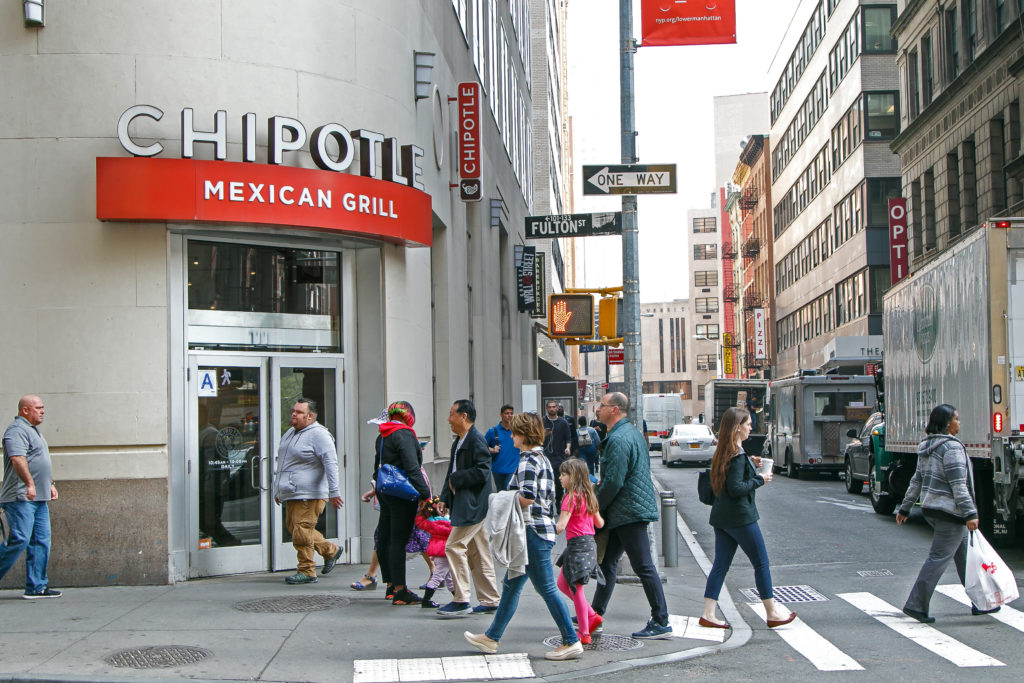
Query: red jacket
(439, 529)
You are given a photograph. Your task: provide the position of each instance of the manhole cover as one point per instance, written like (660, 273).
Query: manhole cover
(867, 573)
(161, 657)
(788, 594)
(293, 603)
(602, 642)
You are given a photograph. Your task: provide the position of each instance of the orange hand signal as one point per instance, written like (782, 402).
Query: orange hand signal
(561, 315)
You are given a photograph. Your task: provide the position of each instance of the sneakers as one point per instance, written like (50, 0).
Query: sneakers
(654, 631)
(584, 638)
(406, 597)
(455, 609)
(596, 624)
(45, 593)
(299, 578)
(485, 609)
(565, 652)
(481, 642)
(329, 562)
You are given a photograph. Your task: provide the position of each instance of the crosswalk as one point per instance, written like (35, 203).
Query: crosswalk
(825, 656)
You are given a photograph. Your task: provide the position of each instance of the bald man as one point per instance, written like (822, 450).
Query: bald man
(24, 496)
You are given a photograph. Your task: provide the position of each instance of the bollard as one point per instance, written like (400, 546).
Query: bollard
(669, 532)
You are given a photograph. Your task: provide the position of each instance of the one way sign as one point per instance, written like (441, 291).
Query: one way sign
(630, 179)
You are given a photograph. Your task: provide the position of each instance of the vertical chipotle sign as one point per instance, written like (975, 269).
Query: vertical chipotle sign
(469, 142)
(899, 259)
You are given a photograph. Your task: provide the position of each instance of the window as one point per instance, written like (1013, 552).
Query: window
(880, 191)
(460, 12)
(705, 224)
(927, 86)
(848, 216)
(705, 278)
(877, 26)
(707, 305)
(952, 45)
(479, 40)
(912, 89)
(705, 361)
(700, 392)
(970, 16)
(805, 48)
(953, 193)
(705, 252)
(880, 279)
(881, 120)
(1000, 15)
(846, 135)
(844, 53)
(851, 298)
(833, 402)
(707, 331)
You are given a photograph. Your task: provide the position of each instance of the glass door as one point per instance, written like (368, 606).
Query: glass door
(227, 465)
(319, 379)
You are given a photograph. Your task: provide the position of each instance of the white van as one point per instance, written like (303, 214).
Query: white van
(662, 412)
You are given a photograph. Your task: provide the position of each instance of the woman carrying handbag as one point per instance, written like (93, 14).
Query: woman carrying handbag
(734, 480)
(398, 456)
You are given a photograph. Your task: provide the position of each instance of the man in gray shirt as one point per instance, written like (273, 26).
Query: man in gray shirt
(307, 475)
(26, 490)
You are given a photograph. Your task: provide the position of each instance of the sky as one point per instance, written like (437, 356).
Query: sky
(675, 87)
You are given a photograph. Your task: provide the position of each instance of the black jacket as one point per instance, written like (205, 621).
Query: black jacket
(471, 480)
(734, 506)
(401, 449)
(555, 443)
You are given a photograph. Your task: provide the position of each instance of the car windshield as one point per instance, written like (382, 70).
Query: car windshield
(693, 431)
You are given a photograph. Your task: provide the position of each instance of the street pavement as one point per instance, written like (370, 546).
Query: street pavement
(211, 630)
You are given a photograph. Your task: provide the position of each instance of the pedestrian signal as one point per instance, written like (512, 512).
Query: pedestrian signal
(608, 317)
(571, 315)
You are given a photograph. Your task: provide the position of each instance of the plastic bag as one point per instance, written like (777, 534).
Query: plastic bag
(989, 582)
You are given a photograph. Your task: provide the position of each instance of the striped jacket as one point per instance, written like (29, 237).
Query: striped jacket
(942, 480)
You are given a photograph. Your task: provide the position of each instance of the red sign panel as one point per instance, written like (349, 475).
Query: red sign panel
(190, 191)
(697, 22)
(899, 259)
(469, 142)
(616, 356)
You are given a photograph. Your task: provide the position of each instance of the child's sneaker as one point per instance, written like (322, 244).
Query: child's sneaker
(584, 638)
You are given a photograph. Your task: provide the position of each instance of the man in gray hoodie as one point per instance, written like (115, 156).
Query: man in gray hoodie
(307, 475)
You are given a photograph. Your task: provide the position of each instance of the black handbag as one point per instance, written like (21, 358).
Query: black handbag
(704, 491)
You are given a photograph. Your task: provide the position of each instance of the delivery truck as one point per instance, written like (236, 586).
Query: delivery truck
(953, 332)
(720, 394)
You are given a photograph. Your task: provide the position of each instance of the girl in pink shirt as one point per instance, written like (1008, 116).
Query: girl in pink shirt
(579, 561)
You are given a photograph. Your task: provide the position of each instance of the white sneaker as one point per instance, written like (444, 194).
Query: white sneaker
(565, 652)
(481, 642)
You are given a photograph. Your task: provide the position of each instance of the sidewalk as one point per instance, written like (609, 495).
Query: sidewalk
(70, 639)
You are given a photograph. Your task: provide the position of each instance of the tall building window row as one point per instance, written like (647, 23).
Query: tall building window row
(832, 4)
(707, 304)
(844, 53)
(802, 53)
(804, 121)
(705, 224)
(705, 278)
(809, 321)
(805, 257)
(811, 182)
(705, 252)
(846, 134)
(848, 215)
(852, 298)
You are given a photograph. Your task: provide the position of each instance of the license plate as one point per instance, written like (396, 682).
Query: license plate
(694, 445)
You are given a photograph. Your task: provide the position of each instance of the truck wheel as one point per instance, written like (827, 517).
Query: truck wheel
(882, 503)
(852, 485)
(791, 468)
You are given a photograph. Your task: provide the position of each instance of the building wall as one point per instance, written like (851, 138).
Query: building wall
(665, 335)
(704, 355)
(89, 303)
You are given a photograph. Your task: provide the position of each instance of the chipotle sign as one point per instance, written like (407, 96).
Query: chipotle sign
(469, 142)
(385, 200)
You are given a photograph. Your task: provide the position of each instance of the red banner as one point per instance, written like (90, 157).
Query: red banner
(899, 259)
(470, 187)
(687, 22)
(189, 191)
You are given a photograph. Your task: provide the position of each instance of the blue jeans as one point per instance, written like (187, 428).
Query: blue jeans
(538, 555)
(749, 538)
(501, 480)
(30, 531)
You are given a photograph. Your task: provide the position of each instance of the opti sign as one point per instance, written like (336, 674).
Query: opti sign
(469, 142)
(899, 258)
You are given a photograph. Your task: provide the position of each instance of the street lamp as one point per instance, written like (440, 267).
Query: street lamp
(718, 353)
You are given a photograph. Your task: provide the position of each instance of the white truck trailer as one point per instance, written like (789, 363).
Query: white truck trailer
(954, 333)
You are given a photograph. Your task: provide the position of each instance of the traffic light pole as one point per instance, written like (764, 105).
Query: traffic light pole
(630, 246)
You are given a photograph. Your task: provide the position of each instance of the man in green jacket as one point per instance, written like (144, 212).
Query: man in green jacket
(628, 504)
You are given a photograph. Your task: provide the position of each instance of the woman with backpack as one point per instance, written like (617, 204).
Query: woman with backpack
(588, 444)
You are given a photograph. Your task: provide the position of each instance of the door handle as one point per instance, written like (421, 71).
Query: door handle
(254, 465)
(262, 488)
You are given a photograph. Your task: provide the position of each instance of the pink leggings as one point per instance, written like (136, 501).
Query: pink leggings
(584, 612)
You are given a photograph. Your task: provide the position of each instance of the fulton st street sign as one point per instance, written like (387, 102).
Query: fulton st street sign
(574, 225)
(629, 179)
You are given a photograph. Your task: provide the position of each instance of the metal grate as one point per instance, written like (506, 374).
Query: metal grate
(292, 604)
(787, 594)
(869, 573)
(161, 657)
(611, 643)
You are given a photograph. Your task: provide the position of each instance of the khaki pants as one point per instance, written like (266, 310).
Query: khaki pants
(300, 520)
(469, 553)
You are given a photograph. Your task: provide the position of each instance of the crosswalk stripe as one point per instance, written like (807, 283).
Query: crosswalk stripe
(689, 627)
(814, 647)
(473, 667)
(924, 635)
(1007, 615)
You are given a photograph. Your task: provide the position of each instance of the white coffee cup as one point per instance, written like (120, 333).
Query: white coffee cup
(766, 466)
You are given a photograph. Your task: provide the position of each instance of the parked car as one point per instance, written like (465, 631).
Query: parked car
(687, 444)
(858, 452)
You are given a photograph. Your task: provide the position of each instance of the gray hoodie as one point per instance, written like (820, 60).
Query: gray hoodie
(303, 459)
(942, 479)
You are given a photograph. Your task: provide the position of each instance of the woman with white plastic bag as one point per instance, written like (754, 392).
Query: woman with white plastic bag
(989, 582)
(944, 483)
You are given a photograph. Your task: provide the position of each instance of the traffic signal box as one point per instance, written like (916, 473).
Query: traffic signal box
(570, 315)
(607, 317)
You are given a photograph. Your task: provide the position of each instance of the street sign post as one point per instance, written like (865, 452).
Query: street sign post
(629, 179)
(574, 225)
(616, 356)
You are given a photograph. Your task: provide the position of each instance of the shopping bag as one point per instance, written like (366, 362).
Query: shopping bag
(989, 582)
